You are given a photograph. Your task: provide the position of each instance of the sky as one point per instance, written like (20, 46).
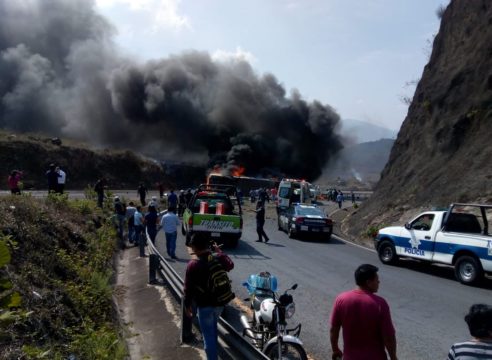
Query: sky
(357, 56)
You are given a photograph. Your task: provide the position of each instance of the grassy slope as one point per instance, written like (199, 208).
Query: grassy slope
(62, 267)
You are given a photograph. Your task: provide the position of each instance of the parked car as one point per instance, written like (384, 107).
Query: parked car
(305, 219)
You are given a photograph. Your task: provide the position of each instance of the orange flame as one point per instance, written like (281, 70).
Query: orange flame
(238, 171)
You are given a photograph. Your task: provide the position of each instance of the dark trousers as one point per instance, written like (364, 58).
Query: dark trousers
(261, 231)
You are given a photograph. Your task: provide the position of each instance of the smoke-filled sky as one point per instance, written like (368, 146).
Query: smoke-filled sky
(356, 55)
(61, 74)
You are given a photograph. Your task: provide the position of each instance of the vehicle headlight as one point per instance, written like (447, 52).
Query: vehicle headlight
(290, 310)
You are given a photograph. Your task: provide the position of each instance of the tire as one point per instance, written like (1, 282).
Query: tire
(279, 225)
(183, 232)
(468, 270)
(290, 232)
(387, 253)
(232, 243)
(289, 351)
(188, 239)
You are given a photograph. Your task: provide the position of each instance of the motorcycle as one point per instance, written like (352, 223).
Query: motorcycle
(268, 328)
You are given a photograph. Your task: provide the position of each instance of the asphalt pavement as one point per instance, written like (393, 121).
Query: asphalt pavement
(427, 303)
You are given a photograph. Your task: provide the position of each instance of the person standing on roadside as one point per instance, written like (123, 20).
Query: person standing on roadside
(99, 189)
(139, 224)
(130, 211)
(151, 222)
(260, 221)
(340, 199)
(181, 203)
(14, 182)
(142, 192)
(160, 187)
(170, 223)
(196, 288)
(120, 214)
(479, 321)
(52, 177)
(62, 177)
(365, 319)
(172, 200)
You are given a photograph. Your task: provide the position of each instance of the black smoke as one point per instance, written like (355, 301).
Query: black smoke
(61, 74)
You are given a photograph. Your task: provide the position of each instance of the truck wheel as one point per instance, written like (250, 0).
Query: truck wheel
(387, 253)
(467, 270)
(233, 243)
(278, 223)
(291, 233)
(183, 232)
(188, 239)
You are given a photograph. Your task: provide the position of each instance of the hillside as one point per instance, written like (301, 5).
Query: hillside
(363, 162)
(443, 150)
(358, 131)
(56, 266)
(32, 154)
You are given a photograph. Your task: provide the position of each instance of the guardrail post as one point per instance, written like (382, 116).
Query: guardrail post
(153, 266)
(186, 325)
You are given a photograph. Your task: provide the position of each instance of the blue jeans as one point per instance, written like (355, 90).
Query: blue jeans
(171, 243)
(208, 318)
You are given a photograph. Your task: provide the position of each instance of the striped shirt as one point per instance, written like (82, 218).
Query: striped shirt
(471, 350)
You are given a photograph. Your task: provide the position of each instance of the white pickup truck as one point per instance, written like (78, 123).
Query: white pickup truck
(460, 236)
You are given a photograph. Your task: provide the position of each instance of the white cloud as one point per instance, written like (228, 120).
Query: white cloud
(161, 13)
(167, 15)
(238, 55)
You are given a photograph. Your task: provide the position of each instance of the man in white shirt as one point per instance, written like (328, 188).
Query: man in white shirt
(62, 176)
(170, 223)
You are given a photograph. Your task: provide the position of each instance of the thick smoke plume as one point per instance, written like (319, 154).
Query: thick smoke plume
(61, 74)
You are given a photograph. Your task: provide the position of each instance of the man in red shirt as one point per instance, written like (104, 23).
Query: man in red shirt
(365, 320)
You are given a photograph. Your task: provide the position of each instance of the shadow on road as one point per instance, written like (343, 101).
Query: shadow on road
(320, 240)
(244, 250)
(442, 271)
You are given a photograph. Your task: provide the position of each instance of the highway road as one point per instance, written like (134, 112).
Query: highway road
(427, 304)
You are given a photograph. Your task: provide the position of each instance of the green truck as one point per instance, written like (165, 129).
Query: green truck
(211, 211)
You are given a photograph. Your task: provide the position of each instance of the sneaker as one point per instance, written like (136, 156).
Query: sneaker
(258, 240)
(267, 240)
(174, 257)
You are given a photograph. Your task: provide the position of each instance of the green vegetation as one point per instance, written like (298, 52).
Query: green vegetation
(55, 280)
(372, 231)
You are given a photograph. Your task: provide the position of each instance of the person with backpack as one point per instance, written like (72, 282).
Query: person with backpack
(207, 284)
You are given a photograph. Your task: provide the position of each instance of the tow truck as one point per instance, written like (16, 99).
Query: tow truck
(211, 212)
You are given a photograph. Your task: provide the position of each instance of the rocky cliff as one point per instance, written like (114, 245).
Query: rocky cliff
(443, 151)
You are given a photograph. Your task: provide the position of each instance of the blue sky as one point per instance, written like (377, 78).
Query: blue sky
(355, 55)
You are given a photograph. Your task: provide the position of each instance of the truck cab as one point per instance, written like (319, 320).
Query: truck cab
(458, 236)
(211, 212)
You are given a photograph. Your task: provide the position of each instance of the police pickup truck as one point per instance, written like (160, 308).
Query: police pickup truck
(211, 212)
(459, 236)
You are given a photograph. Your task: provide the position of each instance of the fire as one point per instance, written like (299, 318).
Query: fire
(215, 171)
(238, 171)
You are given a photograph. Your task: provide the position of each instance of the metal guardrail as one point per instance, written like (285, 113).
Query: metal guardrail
(231, 342)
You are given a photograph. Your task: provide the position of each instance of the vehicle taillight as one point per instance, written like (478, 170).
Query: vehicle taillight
(328, 222)
(190, 221)
(299, 220)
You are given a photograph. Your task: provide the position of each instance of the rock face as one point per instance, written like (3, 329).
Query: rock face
(443, 152)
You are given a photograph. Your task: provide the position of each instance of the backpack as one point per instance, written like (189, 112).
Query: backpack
(119, 208)
(219, 284)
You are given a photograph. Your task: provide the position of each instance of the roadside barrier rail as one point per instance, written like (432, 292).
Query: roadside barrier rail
(231, 341)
